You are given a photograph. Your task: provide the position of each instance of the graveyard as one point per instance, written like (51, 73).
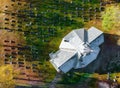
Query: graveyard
(31, 29)
(14, 49)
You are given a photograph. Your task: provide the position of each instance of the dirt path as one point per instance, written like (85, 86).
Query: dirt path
(55, 80)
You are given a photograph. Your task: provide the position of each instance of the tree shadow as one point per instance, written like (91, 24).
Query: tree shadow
(109, 57)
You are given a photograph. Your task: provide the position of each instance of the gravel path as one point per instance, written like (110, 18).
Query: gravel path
(55, 80)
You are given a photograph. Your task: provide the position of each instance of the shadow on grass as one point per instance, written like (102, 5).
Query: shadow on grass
(108, 58)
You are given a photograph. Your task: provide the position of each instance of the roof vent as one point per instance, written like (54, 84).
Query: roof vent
(66, 40)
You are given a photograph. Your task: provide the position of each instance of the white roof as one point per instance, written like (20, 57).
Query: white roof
(77, 32)
(69, 41)
(76, 37)
(88, 59)
(75, 44)
(82, 33)
(93, 33)
(61, 56)
(68, 65)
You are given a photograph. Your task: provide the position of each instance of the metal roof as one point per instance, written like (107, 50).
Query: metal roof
(76, 37)
(61, 56)
(75, 43)
(88, 59)
(68, 65)
(93, 33)
(82, 33)
(70, 35)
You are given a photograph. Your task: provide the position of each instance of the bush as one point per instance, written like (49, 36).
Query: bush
(111, 18)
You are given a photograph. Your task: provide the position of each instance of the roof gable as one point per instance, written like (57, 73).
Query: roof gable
(62, 56)
(76, 37)
(93, 33)
(82, 33)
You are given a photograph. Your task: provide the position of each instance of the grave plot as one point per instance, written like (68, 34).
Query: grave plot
(28, 73)
(12, 53)
(8, 17)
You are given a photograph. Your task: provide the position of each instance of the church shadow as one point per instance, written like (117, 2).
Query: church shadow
(108, 59)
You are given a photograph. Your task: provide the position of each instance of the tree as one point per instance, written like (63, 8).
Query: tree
(6, 77)
(111, 18)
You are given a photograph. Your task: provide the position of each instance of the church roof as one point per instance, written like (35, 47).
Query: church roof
(76, 37)
(93, 33)
(76, 45)
(61, 56)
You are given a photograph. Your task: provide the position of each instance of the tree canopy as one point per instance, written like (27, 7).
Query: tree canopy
(111, 18)
(6, 77)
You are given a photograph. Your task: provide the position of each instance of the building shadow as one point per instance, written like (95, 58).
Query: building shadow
(108, 59)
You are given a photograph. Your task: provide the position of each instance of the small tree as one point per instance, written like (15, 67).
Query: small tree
(6, 77)
(111, 18)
